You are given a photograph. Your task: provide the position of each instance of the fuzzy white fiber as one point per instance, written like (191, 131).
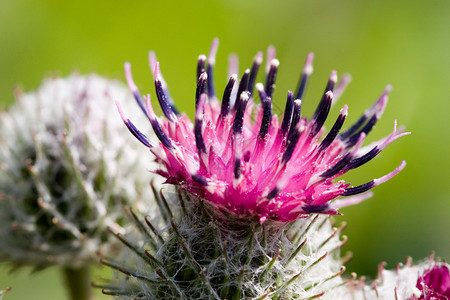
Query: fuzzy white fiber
(390, 284)
(210, 254)
(67, 166)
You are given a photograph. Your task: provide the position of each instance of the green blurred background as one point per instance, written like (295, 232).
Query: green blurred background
(404, 43)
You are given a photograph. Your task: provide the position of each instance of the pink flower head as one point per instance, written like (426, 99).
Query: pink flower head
(242, 158)
(434, 283)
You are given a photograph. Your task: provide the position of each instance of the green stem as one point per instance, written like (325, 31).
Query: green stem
(78, 283)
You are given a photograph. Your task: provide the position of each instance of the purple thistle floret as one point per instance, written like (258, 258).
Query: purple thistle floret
(425, 281)
(241, 158)
(434, 283)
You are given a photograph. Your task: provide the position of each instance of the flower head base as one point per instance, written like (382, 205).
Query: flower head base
(197, 256)
(66, 170)
(239, 156)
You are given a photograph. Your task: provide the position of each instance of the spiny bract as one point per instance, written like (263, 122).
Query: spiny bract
(202, 254)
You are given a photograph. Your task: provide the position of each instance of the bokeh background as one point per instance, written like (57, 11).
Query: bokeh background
(403, 43)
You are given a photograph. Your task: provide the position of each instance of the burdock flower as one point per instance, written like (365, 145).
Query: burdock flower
(433, 283)
(66, 170)
(240, 157)
(425, 281)
(242, 178)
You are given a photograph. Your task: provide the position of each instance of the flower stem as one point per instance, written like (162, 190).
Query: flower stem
(78, 283)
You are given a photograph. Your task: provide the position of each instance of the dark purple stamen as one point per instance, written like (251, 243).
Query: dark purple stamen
(198, 123)
(225, 109)
(306, 72)
(302, 86)
(210, 69)
(373, 112)
(171, 101)
(331, 82)
(353, 128)
(175, 110)
(267, 117)
(315, 208)
(199, 138)
(163, 102)
(351, 141)
(139, 101)
(271, 77)
(329, 87)
(261, 92)
(358, 189)
(161, 135)
(288, 110)
(237, 129)
(337, 167)
(273, 193)
(322, 112)
(242, 87)
(200, 143)
(355, 163)
(237, 168)
(296, 116)
(134, 89)
(200, 179)
(201, 87)
(200, 65)
(154, 66)
(326, 142)
(137, 134)
(253, 72)
(291, 142)
(210, 81)
(240, 110)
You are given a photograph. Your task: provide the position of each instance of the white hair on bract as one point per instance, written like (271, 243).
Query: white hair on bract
(67, 168)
